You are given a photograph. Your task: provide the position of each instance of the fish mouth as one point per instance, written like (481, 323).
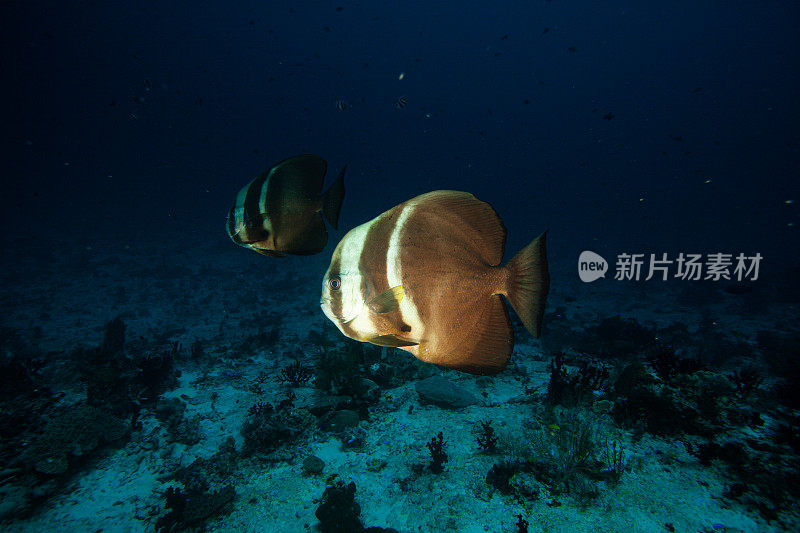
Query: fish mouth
(324, 303)
(240, 237)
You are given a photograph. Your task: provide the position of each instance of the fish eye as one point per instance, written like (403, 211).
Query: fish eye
(335, 283)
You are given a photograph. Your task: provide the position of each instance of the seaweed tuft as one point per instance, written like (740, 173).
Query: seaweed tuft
(438, 455)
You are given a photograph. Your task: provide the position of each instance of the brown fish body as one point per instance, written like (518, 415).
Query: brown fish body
(281, 211)
(425, 276)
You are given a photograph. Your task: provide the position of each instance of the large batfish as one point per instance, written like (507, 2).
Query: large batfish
(425, 276)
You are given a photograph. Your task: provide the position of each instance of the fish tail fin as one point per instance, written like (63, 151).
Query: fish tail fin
(332, 200)
(528, 284)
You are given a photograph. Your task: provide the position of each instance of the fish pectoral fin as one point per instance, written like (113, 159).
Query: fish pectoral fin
(387, 301)
(393, 341)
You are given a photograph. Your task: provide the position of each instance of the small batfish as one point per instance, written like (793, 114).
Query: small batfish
(280, 212)
(425, 277)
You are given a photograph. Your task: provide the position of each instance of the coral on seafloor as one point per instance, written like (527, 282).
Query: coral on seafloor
(182, 429)
(122, 379)
(267, 428)
(438, 455)
(295, 374)
(338, 511)
(574, 388)
(192, 507)
(75, 433)
(522, 524)
(487, 441)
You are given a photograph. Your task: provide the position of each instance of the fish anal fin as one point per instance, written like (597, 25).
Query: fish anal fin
(388, 300)
(486, 351)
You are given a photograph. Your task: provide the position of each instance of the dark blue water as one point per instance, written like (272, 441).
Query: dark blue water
(149, 116)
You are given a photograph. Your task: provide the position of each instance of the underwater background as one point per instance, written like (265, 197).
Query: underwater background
(157, 377)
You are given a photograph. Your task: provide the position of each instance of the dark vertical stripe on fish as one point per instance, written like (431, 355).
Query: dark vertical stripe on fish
(251, 209)
(336, 296)
(372, 263)
(275, 205)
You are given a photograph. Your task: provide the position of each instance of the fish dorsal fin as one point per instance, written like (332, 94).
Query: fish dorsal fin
(387, 301)
(393, 341)
(478, 223)
(298, 178)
